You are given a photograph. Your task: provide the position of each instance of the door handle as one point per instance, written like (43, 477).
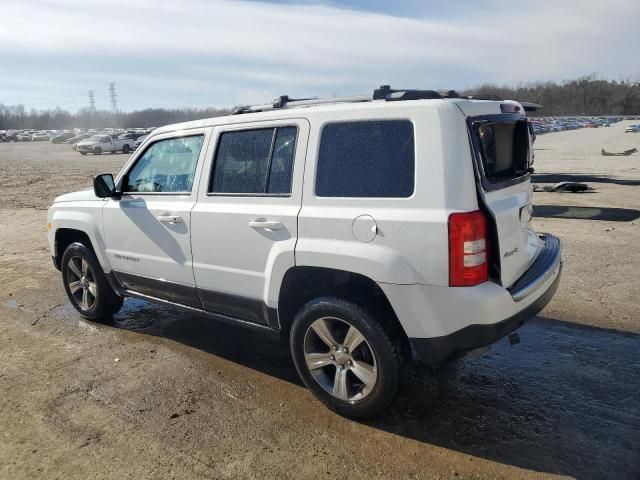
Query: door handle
(170, 219)
(266, 224)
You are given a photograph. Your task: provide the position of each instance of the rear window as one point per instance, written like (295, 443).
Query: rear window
(504, 149)
(366, 159)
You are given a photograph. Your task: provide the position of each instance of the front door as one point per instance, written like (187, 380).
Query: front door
(148, 230)
(245, 221)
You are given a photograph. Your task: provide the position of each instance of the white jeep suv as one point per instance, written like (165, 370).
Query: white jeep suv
(370, 231)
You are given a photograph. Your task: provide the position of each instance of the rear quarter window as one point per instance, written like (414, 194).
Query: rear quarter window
(372, 158)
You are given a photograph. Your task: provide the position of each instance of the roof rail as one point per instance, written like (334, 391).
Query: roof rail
(385, 92)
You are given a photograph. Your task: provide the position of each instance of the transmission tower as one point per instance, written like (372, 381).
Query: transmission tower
(114, 97)
(92, 101)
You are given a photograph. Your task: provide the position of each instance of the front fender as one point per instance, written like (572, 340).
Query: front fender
(86, 218)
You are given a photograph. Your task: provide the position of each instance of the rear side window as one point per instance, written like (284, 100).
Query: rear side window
(504, 149)
(258, 161)
(366, 159)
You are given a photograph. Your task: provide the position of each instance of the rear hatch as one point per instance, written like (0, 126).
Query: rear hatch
(502, 151)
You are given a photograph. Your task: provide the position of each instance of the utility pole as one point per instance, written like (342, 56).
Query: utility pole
(92, 101)
(113, 96)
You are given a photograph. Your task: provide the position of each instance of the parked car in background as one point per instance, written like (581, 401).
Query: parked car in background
(63, 137)
(77, 139)
(40, 137)
(98, 144)
(10, 136)
(139, 140)
(632, 129)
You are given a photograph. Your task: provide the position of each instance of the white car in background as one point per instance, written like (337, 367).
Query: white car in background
(40, 137)
(99, 144)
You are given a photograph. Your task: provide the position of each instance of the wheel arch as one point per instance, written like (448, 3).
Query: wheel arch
(77, 227)
(302, 284)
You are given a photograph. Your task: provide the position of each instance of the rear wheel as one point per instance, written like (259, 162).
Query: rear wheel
(125, 149)
(97, 151)
(83, 153)
(86, 284)
(351, 360)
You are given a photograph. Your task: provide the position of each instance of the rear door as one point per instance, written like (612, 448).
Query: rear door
(503, 153)
(245, 222)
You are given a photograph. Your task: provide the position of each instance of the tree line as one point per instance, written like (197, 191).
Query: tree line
(583, 96)
(16, 117)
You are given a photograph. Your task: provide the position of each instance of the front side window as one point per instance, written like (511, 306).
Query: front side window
(167, 166)
(258, 161)
(372, 158)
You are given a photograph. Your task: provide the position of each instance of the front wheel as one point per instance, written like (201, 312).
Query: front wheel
(86, 284)
(125, 149)
(350, 359)
(97, 151)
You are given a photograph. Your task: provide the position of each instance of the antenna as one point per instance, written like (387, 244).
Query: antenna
(92, 101)
(113, 95)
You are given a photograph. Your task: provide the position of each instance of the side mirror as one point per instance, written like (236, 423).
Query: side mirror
(105, 187)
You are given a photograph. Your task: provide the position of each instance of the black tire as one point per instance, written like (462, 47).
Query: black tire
(126, 148)
(83, 153)
(382, 339)
(97, 151)
(106, 302)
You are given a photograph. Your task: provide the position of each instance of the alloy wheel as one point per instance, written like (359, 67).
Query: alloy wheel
(340, 359)
(81, 282)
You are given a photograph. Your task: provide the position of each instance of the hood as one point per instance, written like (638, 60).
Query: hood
(83, 195)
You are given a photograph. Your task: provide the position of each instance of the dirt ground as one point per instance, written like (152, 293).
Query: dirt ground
(163, 394)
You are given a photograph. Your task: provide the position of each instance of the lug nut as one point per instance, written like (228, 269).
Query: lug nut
(350, 363)
(332, 357)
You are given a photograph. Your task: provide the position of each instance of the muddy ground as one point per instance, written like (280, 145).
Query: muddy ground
(163, 394)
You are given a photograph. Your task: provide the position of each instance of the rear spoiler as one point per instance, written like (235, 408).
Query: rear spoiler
(528, 106)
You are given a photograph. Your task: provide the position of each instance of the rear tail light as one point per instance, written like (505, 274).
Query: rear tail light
(468, 252)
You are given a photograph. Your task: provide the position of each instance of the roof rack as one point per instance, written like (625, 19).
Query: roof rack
(385, 92)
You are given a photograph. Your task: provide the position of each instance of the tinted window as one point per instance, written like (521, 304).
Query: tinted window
(366, 159)
(282, 161)
(166, 166)
(254, 161)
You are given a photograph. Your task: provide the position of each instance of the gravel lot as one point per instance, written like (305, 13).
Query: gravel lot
(163, 394)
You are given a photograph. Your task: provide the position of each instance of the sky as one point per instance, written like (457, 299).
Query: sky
(219, 53)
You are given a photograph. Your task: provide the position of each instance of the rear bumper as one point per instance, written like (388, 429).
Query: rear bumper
(442, 320)
(435, 350)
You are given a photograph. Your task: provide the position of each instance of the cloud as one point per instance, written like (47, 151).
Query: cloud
(211, 51)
